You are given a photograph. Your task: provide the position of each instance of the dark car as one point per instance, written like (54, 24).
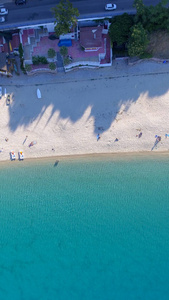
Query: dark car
(17, 2)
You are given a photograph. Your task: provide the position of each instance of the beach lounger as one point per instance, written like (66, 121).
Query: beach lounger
(12, 155)
(21, 155)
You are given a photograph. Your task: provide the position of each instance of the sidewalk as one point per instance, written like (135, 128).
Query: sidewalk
(119, 69)
(3, 2)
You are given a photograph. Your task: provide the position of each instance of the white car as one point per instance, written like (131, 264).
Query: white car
(2, 19)
(3, 11)
(110, 6)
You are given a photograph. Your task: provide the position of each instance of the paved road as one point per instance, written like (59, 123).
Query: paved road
(40, 10)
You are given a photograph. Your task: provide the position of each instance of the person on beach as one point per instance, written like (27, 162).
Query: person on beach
(25, 140)
(98, 137)
(116, 140)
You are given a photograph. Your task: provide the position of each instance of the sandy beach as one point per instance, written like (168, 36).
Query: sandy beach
(72, 112)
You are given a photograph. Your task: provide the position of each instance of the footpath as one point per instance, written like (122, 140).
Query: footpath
(120, 68)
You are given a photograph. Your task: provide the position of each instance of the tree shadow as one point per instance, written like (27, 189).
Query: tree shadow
(103, 100)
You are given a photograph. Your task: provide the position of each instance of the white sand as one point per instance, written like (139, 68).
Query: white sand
(70, 115)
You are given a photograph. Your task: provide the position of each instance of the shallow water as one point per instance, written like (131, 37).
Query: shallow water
(85, 229)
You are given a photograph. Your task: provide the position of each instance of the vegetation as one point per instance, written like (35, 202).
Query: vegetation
(119, 30)
(66, 17)
(36, 60)
(138, 40)
(63, 51)
(152, 17)
(20, 51)
(131, 33)
(28, 68)
(66, 60)
(51, 53)
(52, 66)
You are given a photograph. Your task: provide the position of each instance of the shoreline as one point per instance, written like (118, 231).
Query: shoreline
(88, 157)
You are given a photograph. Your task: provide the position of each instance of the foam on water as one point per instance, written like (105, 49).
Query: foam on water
(85, 229)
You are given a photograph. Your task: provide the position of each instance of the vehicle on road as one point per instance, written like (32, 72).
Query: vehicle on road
(2, 19)
(3, 11)
(17, 2)
(0, 92)
(110, 6)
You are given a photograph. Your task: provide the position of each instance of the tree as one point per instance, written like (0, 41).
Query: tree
(52, 66)
(119, 30)
(66, 17)
(20, 50)
(138, 40)
(63, 51)
(51, 53)
(152, 17)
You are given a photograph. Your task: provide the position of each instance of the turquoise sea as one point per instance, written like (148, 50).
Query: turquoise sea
(94, 228)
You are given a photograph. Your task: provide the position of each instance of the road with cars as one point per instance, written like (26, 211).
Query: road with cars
(39, 11)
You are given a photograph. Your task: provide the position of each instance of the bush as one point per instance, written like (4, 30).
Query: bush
(52, 66)
(28, 68)
(43, 60)
(146, 55)
(63, 51)
(51, 53)
(36, 60)
(66, 61)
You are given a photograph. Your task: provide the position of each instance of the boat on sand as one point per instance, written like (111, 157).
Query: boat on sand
(39, 94)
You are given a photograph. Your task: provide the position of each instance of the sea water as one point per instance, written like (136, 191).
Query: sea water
(87, 228)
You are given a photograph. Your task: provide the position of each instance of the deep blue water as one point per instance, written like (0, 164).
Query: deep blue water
(92, 229)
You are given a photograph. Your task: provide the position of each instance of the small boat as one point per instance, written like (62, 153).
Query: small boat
(39, 94)
(12, 154)
(21, 155)
(8, 99)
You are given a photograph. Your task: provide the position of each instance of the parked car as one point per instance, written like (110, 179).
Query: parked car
(17, 2)
(110, 6)
(0, 92)
(3, 11)
(2, 19)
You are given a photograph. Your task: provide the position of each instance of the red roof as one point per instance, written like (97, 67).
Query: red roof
(91, 37)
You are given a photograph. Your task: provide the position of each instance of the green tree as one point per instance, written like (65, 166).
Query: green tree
(152, 17)
(158, 18)
(66, 17)
(20, 51)
(63, 51)
(52, 66)
(119, 30)
(138, 40)
(51, 53)
(66, 61)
